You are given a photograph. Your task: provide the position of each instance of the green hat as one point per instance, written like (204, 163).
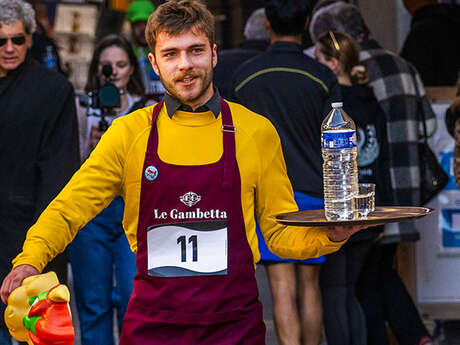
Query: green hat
(139, 10)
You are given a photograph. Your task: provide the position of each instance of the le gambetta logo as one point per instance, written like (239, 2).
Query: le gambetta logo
(190, 199)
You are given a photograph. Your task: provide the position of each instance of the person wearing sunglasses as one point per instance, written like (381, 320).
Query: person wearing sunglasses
(38, 136)
(13, 47)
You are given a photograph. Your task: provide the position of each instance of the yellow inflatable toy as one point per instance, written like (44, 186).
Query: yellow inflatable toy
(38, 312)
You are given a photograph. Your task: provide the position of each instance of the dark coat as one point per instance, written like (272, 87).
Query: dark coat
(38, 150)
(230, 59)
(432, 44)
(295, 93)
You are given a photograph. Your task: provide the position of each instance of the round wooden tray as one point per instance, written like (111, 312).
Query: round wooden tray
(381, 215)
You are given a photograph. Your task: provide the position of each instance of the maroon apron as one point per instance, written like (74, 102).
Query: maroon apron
(195, 282)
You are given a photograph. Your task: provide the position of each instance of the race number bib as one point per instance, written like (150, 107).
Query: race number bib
(187, 249)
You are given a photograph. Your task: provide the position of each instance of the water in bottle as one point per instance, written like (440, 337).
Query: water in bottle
(340, 170)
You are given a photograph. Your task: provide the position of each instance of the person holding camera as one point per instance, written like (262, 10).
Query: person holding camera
(103, 265)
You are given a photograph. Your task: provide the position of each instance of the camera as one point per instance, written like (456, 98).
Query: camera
(102, 101)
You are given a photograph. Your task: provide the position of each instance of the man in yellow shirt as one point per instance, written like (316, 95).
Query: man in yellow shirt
(192, 170)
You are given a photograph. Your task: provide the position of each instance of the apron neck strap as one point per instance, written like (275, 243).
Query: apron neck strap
(229, 146)
(152, 144)
(156, 111)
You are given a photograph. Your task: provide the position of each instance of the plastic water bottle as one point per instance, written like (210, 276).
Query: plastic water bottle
(340, 170)
(49, 58)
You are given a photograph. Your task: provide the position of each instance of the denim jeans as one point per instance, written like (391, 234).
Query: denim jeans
(5, 337)
(103, 268)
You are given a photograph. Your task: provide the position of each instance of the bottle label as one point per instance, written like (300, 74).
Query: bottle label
(338, 139)
(50, 62)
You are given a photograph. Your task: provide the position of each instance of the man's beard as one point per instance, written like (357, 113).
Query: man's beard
(206, 79)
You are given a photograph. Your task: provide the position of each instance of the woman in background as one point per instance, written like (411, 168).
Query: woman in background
(352, 306)
(344, 319)
(103, 265)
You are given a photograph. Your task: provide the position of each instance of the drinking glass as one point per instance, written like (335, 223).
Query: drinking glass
(365, 200)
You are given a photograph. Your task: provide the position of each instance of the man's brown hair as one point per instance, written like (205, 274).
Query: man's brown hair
(176, 16)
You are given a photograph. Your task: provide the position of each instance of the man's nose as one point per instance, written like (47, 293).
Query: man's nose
(184, 61)
(9, 45)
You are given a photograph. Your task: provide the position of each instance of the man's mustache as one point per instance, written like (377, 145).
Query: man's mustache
(186, 76)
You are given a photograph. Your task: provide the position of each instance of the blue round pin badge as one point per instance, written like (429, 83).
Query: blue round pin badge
(151, 173)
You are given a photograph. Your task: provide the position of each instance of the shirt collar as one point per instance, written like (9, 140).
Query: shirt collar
(173, 105)
(285, 46)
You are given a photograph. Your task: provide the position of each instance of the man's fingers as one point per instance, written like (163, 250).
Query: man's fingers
(340, 233)
(14, 280)
(9, 284)
(6, 289)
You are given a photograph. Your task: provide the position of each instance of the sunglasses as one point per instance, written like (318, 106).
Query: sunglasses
(17, 40)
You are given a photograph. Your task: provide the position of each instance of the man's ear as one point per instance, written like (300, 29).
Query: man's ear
(154, 63)
(267, 25)
(29, 40)
(214, 55)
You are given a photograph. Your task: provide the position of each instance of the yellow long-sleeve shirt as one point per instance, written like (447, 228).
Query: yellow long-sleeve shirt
(115, 168)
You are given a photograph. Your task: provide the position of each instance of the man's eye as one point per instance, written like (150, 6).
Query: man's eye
(197, 50)
(169, 54)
